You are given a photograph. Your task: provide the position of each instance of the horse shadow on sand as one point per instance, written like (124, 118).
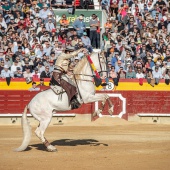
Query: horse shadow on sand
(70, 142)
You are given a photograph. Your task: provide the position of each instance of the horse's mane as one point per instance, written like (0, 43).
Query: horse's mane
(80, 65)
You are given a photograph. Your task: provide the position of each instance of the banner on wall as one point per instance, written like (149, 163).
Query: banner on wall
(87, 15)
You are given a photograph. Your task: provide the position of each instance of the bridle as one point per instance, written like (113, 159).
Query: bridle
(87, 75)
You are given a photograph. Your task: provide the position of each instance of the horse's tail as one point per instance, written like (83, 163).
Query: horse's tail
(26, 131)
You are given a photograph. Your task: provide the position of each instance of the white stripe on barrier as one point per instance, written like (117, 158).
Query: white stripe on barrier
(29, 115)
(153, 115)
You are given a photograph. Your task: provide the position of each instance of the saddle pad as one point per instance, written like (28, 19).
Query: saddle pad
(57, 89)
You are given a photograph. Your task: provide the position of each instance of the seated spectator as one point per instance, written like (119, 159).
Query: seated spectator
(2, 66)
(86, 41)
(140, 76)
(113, 75)
(35, 74)
(27, 75)
(14, 66)
(130, 74)
(42, 86)
(121, 74)
(46, 73)
(64, 22)
(34, 87)
(6, 72)
(167, 76)
(157, 75)
(150, 78)
(18, 73)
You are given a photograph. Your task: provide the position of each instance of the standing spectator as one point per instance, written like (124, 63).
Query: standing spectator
(79, 26)
(94, 24)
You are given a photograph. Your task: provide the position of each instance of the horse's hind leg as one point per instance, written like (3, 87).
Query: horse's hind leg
(40, 134)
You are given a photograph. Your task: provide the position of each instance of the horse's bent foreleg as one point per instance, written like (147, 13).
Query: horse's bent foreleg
(97, 97)
(111, 106)
(40, 134)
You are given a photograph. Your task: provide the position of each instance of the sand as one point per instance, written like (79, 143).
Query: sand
(107, 143)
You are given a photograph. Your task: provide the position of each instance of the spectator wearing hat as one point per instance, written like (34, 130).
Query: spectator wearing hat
(18, 73)
(6, 72)
(49, 25)
(26, 65)
(50, 16)
(79, 26)
(44, 12)
(86, 41)
(34, 87)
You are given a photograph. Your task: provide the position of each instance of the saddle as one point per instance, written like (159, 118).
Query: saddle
(70, 89)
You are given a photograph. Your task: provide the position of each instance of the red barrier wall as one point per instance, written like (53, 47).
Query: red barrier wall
(136, 102)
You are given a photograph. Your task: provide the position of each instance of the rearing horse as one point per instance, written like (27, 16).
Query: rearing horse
(45, 103)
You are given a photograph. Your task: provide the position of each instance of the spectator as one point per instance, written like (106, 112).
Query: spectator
(6, 72)
(42, 86)
(34, 87)
(18, 73)
(113, 75)
(86, 41)
(35, 74)
(79, 26)
(140, 76)
(150, 78)
(157, 75)
(46, 73)
(130, 74)
(94, 24)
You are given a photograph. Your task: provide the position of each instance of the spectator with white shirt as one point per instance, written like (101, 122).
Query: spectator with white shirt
(157, 75)
(6, 72)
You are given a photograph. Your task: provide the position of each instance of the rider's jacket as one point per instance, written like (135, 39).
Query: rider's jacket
(62, 61)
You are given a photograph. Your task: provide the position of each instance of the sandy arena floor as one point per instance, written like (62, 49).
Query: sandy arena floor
(106, 144)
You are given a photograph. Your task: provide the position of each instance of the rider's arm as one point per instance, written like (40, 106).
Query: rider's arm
(73, 54)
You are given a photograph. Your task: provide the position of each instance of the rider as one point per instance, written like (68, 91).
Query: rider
(61, 68)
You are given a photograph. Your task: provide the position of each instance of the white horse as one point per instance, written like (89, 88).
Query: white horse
(45, 103)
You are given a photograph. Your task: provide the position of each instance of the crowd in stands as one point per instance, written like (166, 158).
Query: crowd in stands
(135, 38)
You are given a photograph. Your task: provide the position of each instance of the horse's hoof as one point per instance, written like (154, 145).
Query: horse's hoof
(51, 148)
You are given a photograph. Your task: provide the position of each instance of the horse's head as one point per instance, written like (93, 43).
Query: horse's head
(99, 61)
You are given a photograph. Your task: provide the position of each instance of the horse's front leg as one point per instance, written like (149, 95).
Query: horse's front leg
(95, 98)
